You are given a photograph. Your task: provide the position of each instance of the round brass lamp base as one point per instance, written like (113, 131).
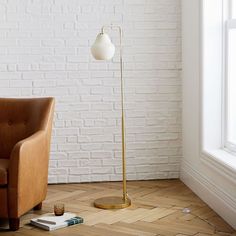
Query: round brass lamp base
(112, 203)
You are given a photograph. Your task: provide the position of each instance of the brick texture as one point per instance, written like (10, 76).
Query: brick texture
(45, 51)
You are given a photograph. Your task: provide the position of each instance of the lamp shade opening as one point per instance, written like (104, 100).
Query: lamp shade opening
(103, 48)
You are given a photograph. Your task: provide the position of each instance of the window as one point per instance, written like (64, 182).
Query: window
(230, 78)
(233, 9)
(218, 85)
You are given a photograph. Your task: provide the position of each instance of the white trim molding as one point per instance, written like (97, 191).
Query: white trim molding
(210, 193)
(222, 162)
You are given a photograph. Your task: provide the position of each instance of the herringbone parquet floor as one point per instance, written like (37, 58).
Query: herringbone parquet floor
(156, 210)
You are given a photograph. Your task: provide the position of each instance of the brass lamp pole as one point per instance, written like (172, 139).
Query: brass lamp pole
(103, 49)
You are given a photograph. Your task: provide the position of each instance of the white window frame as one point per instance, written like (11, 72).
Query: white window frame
(230, 23)
(211, 95)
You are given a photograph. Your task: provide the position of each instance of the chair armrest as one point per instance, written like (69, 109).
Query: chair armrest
(28, 173)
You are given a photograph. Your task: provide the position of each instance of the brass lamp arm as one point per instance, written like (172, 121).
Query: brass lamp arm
(122, 105)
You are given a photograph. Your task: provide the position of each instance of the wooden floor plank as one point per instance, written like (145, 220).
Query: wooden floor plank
(156, 210)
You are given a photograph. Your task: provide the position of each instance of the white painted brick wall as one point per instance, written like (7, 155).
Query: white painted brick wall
(45, 51)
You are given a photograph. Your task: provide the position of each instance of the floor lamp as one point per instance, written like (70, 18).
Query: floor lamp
(103, 49)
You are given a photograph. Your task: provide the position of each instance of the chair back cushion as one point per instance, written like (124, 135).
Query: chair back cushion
(20, 118)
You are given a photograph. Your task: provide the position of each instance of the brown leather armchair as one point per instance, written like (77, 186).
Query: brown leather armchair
(25, 133)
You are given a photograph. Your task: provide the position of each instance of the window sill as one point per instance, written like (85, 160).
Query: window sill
(222, 161)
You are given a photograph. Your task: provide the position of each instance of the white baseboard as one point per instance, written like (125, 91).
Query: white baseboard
(219, 201)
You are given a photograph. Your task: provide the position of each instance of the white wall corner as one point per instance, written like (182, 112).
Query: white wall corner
(211, 180)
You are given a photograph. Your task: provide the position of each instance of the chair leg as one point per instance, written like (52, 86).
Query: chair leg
(14, 224)
(38, 207)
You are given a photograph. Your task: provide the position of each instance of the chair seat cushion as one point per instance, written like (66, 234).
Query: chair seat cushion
(4, 164)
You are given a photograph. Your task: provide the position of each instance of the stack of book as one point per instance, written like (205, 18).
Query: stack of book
(51, 222)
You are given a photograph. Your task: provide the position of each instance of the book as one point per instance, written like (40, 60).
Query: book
(59, 223)
(52, 219)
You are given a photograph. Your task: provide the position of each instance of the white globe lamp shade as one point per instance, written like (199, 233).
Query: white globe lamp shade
(103, 48)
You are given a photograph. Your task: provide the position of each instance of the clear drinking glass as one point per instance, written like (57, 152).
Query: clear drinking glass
(59, 209)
